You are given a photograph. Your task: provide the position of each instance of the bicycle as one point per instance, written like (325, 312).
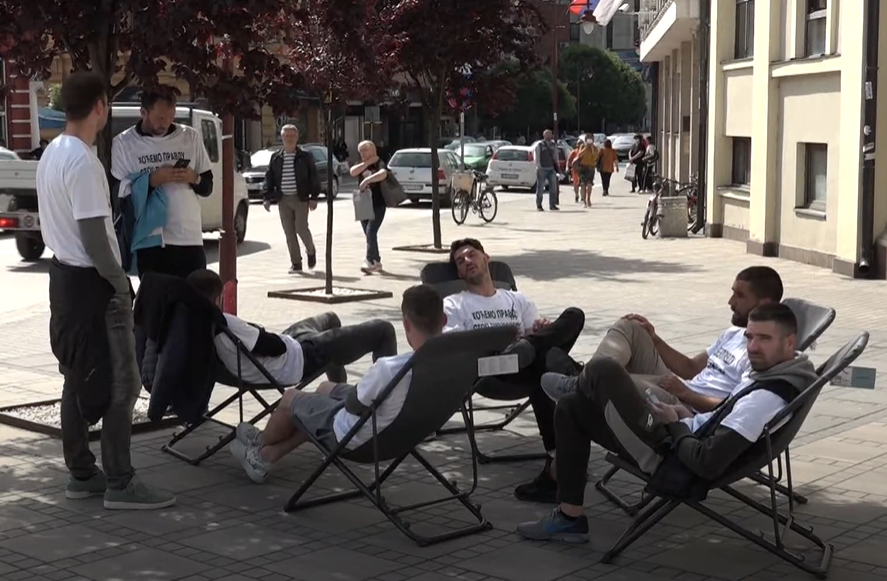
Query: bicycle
(652, 214)
(690, 190)
(481, 200)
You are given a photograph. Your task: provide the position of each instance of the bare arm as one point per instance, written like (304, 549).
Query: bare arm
(379, 176)
(700, 403)
(679, 364)
(358, 169)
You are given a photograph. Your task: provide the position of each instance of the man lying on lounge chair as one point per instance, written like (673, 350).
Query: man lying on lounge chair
(331, 412)
(699, 382)
(303, 349)
(609, 410)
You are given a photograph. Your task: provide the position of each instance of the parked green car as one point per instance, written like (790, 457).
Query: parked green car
(477, 155)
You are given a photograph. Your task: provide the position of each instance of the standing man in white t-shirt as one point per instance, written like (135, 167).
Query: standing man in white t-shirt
(90, 302)
(700, 382)
(158, 146)
(293, 182)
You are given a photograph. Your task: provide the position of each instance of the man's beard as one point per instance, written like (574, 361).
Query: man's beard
(739, 320)
(475, 278)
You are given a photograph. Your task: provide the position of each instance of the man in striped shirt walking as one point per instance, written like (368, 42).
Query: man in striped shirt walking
(293, 182)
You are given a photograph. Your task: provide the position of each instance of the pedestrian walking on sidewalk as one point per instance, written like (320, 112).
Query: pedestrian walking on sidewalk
(293, 182)
(608, 162)
(90, 305)
(636, 159)
(372, 172)
(546, 170)
(587, 159)
(573, 168)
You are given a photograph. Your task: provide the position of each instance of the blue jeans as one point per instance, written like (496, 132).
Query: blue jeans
(371, 230)
(549, 175)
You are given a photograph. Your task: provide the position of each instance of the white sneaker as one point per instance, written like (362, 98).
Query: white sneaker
(249, 434)
(253, 464)
(377, 267)
(368, 267)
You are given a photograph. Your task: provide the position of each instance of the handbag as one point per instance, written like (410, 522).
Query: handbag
(392, 191)
(630, 172)
(363, 205)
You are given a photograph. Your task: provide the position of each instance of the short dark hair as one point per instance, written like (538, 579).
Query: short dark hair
(779, 313)
(423, 306)
(207, 283)
(764, 282)
(150, 96)
(462, 243)
(80, 92)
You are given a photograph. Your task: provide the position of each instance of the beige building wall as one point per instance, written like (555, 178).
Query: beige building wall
(793, 107)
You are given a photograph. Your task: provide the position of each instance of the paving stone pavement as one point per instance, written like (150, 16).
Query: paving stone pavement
(226, 528)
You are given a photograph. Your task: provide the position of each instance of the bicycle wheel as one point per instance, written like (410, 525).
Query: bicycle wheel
(461, 200)
(690, 193)
(645, 225)
(654, 224)
(489, 206)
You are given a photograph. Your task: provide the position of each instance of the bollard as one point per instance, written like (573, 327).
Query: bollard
(673, 217)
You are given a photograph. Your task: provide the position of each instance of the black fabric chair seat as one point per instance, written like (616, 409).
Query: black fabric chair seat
(443, 371)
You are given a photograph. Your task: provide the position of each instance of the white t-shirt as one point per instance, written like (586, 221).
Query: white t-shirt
(72, 186)
(750, 414)
(133, 153)
(369, 387)
(467, 310)
(727, 365)
(286, 368)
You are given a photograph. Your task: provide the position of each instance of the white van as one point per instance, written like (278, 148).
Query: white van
(18, 179)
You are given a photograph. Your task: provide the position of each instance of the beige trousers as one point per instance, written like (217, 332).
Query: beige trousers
(294, 219)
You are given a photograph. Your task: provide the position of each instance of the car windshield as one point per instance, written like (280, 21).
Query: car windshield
(476, 150)
(8, 156)
(411, 159)
(512, 155)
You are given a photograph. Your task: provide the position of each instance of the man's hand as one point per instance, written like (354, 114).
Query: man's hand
(643, 322)
(312, 205)
(664, 413)
(539, 324)
(267, 205)
(187, 175)
(673, 385)
(163, 175)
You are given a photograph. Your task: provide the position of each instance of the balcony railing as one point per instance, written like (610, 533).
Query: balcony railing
(651, 12)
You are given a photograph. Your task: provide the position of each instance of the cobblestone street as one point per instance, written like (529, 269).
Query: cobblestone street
(226, 528)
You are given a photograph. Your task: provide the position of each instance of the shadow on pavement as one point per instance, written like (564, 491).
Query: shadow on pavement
(211, 247)
(551, 265)
(40, 266)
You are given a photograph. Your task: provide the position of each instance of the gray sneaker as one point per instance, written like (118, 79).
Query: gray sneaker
(137, 496)
(79, 489)
(251, 460)
(249, 434)
(557, 385)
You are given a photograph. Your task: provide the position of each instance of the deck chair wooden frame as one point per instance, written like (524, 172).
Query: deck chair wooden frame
(443, 277)
(813, 321)
(773, 442)
(243, 389)
(443, 371)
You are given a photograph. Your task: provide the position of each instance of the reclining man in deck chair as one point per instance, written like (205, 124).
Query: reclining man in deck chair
(542, 345)
(699, 382)
(333, 410)
(609, 410)
(303, 349)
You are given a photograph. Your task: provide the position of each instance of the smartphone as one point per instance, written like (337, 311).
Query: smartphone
(182, 163)
(652, 397)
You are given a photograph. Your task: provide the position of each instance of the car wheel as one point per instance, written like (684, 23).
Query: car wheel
(335, 193)
(504, 188)
(414, 200)
(30, 246)
(240, 222)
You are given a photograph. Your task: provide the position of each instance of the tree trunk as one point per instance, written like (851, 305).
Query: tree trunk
(328, 288)
(435, 113)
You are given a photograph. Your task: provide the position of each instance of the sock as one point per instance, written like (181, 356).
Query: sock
(566, 516)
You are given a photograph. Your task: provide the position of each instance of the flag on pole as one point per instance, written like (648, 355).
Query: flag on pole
(580, 7)
(606, 10)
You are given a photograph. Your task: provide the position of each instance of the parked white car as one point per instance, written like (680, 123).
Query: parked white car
(412, 168)
(512, 166)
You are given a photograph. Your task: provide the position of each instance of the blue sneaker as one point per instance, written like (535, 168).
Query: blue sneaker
(556, 527)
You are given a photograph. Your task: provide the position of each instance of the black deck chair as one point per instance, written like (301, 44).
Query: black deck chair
(224, 377)
(444, 277)
(813, 320)
(443, 371)
(773, 442)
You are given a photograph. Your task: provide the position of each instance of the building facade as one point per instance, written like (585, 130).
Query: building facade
(19, 128)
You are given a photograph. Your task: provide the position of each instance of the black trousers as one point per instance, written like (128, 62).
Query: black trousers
(172, 260)
(605, 180)
(561, 333)
(580, 418)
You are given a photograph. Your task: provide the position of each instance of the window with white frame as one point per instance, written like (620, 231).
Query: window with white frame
(815, 176)
(4, 138)
(741, 174)
(744, 42)
(816, 30)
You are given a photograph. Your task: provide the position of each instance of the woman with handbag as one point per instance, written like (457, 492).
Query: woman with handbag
(372, 172)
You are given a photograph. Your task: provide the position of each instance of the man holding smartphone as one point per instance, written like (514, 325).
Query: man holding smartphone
(176, 159)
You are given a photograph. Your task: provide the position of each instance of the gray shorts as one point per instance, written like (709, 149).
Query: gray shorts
(317, 412)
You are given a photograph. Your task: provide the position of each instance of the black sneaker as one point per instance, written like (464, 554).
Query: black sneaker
(524, 350)
(295, 268)
(540, 209)
(554, 208)
(542, 489)
(312, 260)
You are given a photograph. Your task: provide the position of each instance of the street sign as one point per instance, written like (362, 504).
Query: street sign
(372, 115)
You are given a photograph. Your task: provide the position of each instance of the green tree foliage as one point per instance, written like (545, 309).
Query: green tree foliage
(607, 87)
(531, 107)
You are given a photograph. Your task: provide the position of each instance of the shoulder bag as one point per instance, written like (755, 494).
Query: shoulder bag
(392, 191)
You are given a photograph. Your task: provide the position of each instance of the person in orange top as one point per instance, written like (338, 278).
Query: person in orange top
(587, 158)
(574, 171)
(609, 163)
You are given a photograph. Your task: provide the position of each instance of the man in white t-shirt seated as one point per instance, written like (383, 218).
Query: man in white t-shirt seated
(700, 382)
(609, 410)
(333, 411)
(542, 345)
(300, 351)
